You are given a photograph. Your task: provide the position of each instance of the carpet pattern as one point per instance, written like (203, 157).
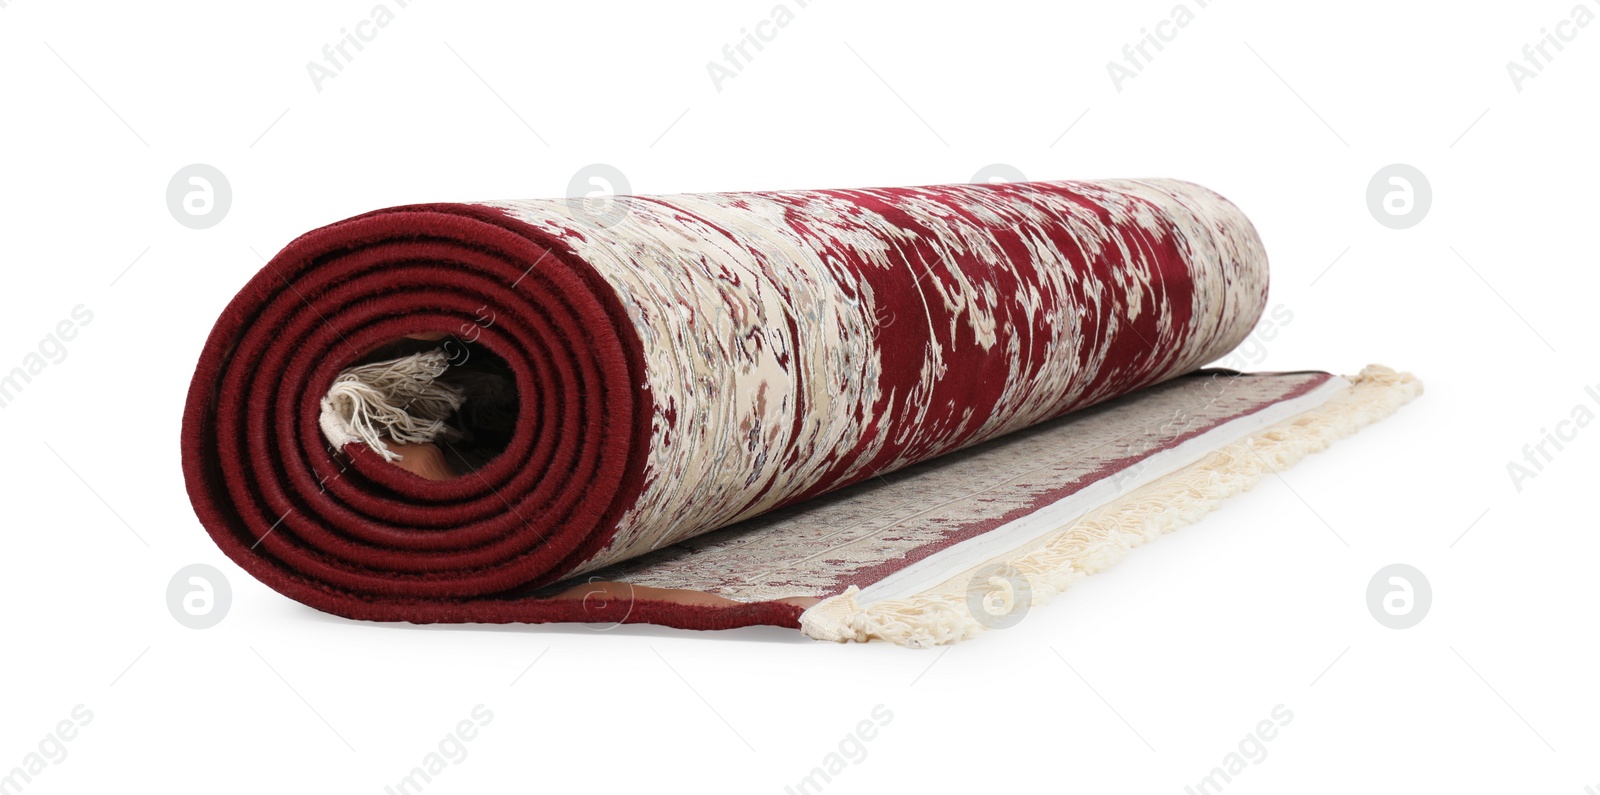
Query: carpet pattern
(684, 364)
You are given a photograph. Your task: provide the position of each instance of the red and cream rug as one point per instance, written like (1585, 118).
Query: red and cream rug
(905, 414)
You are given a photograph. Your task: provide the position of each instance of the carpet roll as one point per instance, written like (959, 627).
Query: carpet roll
(667, 366)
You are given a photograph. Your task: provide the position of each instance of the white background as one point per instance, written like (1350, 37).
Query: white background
(1139, 679)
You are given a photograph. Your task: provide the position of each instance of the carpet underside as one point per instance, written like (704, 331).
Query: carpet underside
(938, 552)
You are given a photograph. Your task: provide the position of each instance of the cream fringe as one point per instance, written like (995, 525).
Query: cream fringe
(1048, 566)
(396, 399)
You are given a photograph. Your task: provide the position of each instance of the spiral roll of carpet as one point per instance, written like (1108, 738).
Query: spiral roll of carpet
(533, 411)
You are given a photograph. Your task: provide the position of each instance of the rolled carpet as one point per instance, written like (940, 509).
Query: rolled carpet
(538, 411)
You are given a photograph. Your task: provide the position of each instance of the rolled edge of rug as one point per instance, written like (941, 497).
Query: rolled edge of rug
(315, 510)
(1095, 541)
(345, 531)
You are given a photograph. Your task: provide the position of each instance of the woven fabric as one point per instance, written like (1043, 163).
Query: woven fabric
(684, 363)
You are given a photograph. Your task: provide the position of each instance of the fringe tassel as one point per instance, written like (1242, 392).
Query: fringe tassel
(1100, 538)
(397, 399)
